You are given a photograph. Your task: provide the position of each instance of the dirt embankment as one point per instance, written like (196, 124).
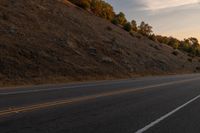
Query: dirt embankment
(48, 41)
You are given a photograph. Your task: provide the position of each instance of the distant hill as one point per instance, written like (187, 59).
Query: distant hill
(50, 41)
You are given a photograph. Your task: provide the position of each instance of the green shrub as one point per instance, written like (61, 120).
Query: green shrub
(174, 43)
(175, 53)
(102, 9)
(115, 22)
(134, 25)
(152, 37)
(145, 29)
(128, 27)
(120, 19)
(85, 4)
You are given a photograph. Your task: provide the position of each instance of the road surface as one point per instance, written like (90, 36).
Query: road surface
(165, 104)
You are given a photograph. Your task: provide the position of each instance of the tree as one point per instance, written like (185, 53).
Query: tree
(162, 39)
(185, 46)
(134, 25)
(115, 22)
(85, 4)
(174, 43)
(128, 26)
(153, 38)
(102, 9)
(193, 41)
(120, 19)
(194, 44)
(190, 45)
(145, 29)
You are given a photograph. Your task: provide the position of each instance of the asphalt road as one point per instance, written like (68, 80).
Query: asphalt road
(165, 104)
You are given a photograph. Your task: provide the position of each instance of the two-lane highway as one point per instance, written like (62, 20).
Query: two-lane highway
(151, 104)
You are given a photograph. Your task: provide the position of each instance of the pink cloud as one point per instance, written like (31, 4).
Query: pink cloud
(158, 4)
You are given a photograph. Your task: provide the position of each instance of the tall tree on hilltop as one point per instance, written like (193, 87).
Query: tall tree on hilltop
(145, 29)
(120, 19)
(102, 9)
(134, 25)
(85, 4)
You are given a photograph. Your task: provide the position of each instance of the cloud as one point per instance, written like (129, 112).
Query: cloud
(128, 4)
(158, 4)
(152, 5)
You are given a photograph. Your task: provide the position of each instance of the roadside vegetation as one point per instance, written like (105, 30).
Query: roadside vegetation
(106, 11)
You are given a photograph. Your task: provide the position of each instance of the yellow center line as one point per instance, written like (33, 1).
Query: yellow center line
(84, 98)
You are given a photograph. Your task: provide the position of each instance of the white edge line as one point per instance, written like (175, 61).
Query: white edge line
(53, 89)
(165, 116)
(77, 86)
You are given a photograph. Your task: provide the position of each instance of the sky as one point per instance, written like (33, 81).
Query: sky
(177, 18)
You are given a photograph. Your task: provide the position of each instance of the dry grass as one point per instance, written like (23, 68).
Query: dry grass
(46, 41)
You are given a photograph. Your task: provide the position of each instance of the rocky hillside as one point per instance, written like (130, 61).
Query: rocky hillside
(48, 41)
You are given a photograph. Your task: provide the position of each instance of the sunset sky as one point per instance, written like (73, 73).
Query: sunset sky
(178, 18)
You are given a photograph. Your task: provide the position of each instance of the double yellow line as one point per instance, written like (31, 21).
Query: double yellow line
(17, 110)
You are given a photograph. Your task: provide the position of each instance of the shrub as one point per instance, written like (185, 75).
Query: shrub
(175, 53)
(145, 29)
(198, 68)
(120, 19)
(102, 9)
(85, 4)
(139, 36)
(152, 37)
(128, 27)
(115, 22)
(109, 28)
(190, 55)
(190, 59)
(174, 43)
(134, 25)
(156, 47)
(162, 39)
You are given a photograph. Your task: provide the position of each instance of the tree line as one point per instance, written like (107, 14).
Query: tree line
(189, 45)
(105, 10)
